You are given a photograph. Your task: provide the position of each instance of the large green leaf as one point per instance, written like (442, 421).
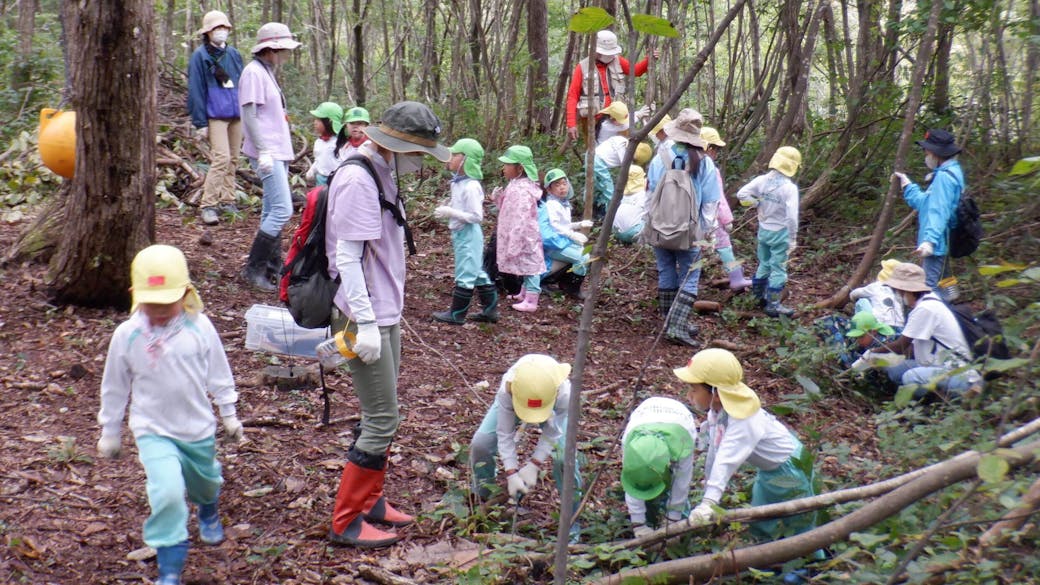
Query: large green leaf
(904, 395)
(654, 25)
(992, 468)
(1026, 166)
(590, 20)
(995, 365)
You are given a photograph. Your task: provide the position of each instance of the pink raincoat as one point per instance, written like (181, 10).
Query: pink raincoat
(519, 243)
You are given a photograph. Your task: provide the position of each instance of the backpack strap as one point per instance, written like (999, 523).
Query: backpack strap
(943, 345)
(395, 210)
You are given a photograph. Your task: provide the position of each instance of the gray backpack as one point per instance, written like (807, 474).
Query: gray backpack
(673, 213)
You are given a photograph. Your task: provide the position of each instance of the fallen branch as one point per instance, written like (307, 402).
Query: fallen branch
(382, 576)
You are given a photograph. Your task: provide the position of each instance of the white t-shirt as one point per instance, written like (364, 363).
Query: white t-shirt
(325, 156)
(930, 321)
(884, 302)
(612, 151)
(631, 212)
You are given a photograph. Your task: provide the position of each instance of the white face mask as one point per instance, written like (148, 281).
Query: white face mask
(605, 58)
(219, 36)
(407, 163)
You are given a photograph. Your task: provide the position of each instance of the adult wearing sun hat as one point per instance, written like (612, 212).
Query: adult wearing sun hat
(365, 245)
(268, 145)
(737, 431)
(213, 77)
(657, 463)
(352, 135)
(936, 206)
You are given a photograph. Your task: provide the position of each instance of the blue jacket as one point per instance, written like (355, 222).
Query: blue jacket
(206, 98)
(937, 206)
(706, 183)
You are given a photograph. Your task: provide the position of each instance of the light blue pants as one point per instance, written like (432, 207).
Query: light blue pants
(174, 469)
(572, 255)
(909, 372)
(786, 482)
(533, 283)
(468, 244)
(772, 257)
(604, 183)
(673, 266)
(277, 202)
(630, 235)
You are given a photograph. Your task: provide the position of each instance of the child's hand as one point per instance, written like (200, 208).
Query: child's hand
(583, 224)
(232, 428)
(578, 238)
(109, 446)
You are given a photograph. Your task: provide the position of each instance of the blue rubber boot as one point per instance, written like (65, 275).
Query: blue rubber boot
(171, 563)
(211, 531)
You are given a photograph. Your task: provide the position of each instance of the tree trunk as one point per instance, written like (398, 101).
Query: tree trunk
(110, 212)
(21, 72)
(1030, 135)
(941, 79)
(169, 46)
(360, 8)
(538, 73)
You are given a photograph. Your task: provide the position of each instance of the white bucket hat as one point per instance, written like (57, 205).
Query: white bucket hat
(606, 43)
(274, 35)
(212, 20)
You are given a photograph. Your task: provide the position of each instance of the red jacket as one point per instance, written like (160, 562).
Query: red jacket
(574, 92)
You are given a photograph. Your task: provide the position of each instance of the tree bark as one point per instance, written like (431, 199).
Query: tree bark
(360, 8)
(21, 72)
(538, 73)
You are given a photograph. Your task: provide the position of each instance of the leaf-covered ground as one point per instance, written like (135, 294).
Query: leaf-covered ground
(68, 517)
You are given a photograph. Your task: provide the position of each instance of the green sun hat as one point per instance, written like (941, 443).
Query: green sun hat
(521, 155)
(552, 176)
(474, 153)
(332, 111)
(645, 465)
(357, 114)
(864, 322)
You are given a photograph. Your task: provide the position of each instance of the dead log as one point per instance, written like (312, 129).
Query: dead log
(383, 576)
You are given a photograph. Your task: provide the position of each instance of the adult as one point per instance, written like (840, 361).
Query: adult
(365, 246)
(268, 145)
(940, 350)
(609, 83)
(681, 269)
(213, 75)
(936, 206)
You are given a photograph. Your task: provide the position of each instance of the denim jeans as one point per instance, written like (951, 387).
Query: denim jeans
(277, 205)
(673, 266)
(936, 268)
(909, 372)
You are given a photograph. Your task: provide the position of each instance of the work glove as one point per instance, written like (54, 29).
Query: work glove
(902, 178)
(529, 475)
(643, 113)
(312, 174)
(704, 513)
(585, 223)
(445, 212)
(578, 237)
(264, 164)
(515, 485)
(641, 530)
(925, 250)
(109, 446)
(369, 344)
(232, 428)
(202, 133)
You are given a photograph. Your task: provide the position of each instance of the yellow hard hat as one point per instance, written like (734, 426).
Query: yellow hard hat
(721, 370)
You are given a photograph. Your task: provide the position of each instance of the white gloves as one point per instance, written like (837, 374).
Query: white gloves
(578, 237)
(704, 513)
(202, 133)
(445, 212)
(529, 475)
(902, 178)
(264, 164)
(643, 113)
(109, 446)
(925, 250)
(232, 428)
(516, 487)
(585, 223)
(312, 173)
(641, 530)
(368, 345)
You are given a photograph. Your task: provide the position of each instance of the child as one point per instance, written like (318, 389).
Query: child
(535, 391)
(776, 197)
(518, 240)
(611, 121)
(609, 155)
(657, 463)
(164, 359)
(737, 431)
(723, 246)
(631, 214)
(880, 299)
(465, 212)
(559, 239)
(328, 120)
(352, 134)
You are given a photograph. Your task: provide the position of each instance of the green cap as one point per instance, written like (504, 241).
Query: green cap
(332, 111)
(357, 114)
(474, 153)
(521, 155)
(864, 322)
(552, 176)
(645, 465)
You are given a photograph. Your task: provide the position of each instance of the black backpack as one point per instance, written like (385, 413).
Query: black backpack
(983, 332)
(966, 234)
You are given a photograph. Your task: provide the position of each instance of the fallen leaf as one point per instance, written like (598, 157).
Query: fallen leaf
(141, 554)
(258, 492)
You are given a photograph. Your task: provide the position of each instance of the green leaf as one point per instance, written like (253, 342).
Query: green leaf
(868, 540)
(992, 468)
(811, 387)
(654, 25)
(590, 20)
(995, 365)
(1009, 282)
(992, 269)
(1031, 274)
(904, 395)
(1026, 166)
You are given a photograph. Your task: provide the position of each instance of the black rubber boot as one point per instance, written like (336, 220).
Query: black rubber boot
(758, 289)
(460, 300)
(255, 271)
(570, 284)
(488, 295)
(275, 260)
(678, 328)
(773, 306)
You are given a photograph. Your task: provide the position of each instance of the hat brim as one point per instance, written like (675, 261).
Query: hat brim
(278, 44)
(641, 493)
(907, 285)
(686, 375)
(356, 120)
(684, 137)
(608, 52)
(943, 150)
(532, 415)
(399, 145)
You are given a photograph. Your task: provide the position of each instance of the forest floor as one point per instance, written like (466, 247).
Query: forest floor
(68, 517)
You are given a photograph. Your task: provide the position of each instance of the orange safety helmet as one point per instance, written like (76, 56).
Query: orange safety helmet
(58, 141)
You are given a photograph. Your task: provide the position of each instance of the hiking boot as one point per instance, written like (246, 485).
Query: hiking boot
(488, 295)
(229, 208)
(460, 300)
(211, 531)
(773, 307)
(209, 216)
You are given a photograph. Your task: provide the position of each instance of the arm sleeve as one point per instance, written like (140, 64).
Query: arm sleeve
(940, 201)
(219, 378)
(737, 445)
(352, 279)
(641, 67)
(573, 93)
(115, 387)
(472, 210)
(197, 90)
(506, 429)
(749, 192)
(251, 127)
(792, 212)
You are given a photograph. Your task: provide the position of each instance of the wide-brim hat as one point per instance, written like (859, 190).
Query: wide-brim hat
(212, 20)
(332, 111)
(274, 35)
(356, 114)
(908, 277)
(712, 137)
(159, 275)
(535, 383)
(645, 465)
(939, 142)
(864, 322)
(686, 128)
(786, 160)
(636, 180)
(409, 127)
(606, 43)
(474, 154)
(721, 370)
(521, 155)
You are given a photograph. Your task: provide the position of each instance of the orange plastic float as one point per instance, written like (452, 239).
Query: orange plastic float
(58, 141)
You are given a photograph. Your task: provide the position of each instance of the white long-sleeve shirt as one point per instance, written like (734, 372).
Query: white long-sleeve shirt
(167, 392)
(559, 216)
(884, 302)
(777, 199)
(325, 156)
(467, 197)
(661, 410)
(760, 440)
(552, 428)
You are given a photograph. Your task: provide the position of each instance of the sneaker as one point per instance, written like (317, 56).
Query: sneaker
(211, 531)
(209, 216)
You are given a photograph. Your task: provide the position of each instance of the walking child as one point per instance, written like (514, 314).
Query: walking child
(164, 360)
(776, 197)
(518, 246)
(723, 245)
(328, 120)
(559, 239)
(464, 212)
